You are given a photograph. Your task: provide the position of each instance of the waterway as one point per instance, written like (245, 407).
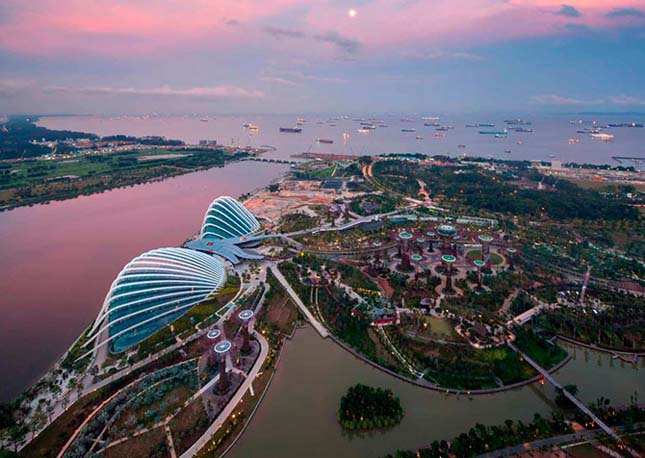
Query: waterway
(58, 260)
(548, 141)
(298, 414)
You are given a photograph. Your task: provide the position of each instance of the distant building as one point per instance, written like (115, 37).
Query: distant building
(556, 165)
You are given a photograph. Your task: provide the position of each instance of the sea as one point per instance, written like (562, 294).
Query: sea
(553, 137)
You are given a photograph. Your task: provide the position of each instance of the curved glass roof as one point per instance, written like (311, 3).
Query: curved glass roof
(152, 291)
(227, 218)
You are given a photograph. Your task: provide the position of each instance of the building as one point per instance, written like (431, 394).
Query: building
(152, 291)
(227, 218)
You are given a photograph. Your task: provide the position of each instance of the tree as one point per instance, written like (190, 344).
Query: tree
(17, 435)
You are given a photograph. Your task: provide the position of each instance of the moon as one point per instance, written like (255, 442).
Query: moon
(351, 13)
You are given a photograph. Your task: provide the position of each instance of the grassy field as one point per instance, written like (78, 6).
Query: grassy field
(151, 444)
(495, 259)
(34, 181)
(440, 327)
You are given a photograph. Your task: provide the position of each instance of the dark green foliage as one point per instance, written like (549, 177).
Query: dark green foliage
(364, 407)
(620, 326)
(479, 189)
(16, 141)
(482, 439)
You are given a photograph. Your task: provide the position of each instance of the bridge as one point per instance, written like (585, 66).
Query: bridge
(568, 395)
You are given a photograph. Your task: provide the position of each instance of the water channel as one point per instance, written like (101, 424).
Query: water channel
(298, 414)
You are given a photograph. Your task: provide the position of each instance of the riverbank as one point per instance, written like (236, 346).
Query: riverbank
(427, 385)
(93, 237)
(315, 372)
(38, 181)
(619, 353)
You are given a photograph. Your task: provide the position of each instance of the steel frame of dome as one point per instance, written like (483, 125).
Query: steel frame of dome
(227, 218)
(164, 283)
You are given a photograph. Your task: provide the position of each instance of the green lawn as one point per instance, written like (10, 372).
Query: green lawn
(495, 259)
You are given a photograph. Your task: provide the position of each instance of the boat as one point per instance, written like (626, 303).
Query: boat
(507, 151)
(408, 130)
(471, 125)
(485, 124)
(494, 132)
(439, 135)
(461, 146)
(363, 131)
(520, 122)
(625, 124)
(442, 129)
(204, 120)
(500, 135)
(551, 156)
(419, 137)
(326, 141)
(430, 118)
(431, 124)
(573, 141)
(293, 130)
(522, 129)
(370, 127)
(602, 136)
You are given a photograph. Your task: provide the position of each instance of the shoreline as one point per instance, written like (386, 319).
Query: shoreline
(618, 353)
(158, 179)
(458, 392)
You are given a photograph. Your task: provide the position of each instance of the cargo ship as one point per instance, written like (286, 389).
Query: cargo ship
(293, 130)
(326, 141)
(408, 130)
(493, 132)
(517, 122)
(625, 124)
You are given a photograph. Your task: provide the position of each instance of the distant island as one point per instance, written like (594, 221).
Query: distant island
(364, 407)
(38, 165)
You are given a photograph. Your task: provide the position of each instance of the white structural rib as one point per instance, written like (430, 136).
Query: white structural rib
(156, 284)
(228, 218)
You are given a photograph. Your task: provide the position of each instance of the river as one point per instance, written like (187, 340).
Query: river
(58, 260)
(298, 414)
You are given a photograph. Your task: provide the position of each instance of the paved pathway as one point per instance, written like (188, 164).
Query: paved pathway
(569, 396)
(233, 402)
(314, 322)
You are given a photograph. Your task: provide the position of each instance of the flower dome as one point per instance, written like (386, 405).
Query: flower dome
(152, 291)
(227, 218)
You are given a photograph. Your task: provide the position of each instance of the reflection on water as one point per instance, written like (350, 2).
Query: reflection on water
(298, 415)
(58, 260)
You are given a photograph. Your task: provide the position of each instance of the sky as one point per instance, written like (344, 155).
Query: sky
(321, 56)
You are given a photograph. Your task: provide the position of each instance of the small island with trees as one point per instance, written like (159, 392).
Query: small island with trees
(364, 407)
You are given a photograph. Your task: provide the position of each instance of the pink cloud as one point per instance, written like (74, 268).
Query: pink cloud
(137, 27)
